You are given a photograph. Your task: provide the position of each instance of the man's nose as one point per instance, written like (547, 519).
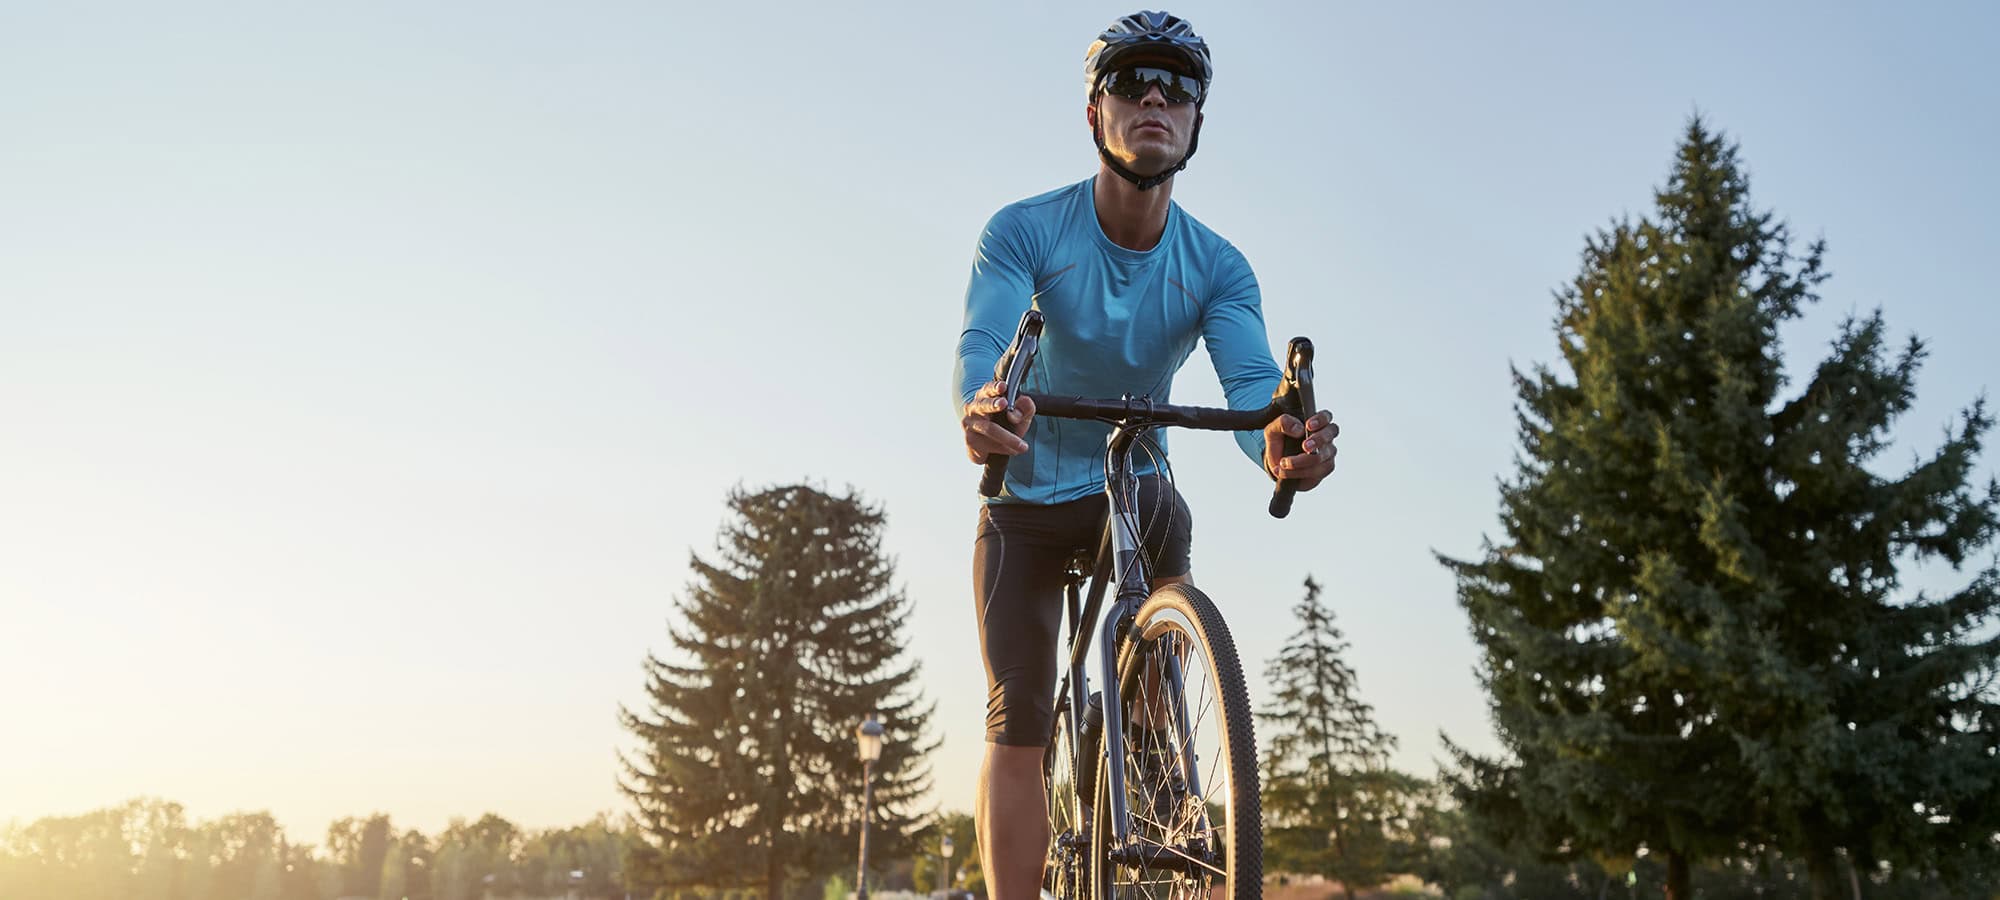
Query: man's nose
(1154, 97)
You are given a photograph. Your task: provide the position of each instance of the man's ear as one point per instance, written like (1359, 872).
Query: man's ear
(1090, 114)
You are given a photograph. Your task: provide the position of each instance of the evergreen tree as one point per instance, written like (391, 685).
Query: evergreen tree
(476, 859)
(1692, 632)
(1332, 805)
(746, 774)
(394, 877)
(550, 858)
(359, 847)
(406, 869)
(241, 848)
(299, 879)
(160, 829)
(963, 870)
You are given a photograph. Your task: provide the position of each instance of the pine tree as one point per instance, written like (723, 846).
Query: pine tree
(1332, 805)
(477, 859)
(1692, 632)
(359, 847)
(747, 773)
(406, 869)
(242, 847)
(962, 870)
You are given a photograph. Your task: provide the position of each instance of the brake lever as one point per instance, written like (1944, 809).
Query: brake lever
(1294, 396)
(1011, 370)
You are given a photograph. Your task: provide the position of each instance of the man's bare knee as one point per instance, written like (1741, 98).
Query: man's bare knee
(1012, 769)
(1184, 578)
(1011, 759)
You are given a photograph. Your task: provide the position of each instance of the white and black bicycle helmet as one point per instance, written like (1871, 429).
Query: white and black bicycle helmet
(1148, 36)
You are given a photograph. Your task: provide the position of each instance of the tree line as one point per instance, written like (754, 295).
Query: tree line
(147, 849)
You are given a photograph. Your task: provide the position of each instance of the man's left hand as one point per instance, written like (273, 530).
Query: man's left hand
(1310, 466)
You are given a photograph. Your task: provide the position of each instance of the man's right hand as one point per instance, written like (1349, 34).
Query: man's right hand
(983, 436)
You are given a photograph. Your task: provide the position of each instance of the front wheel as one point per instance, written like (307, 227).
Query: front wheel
(1190, 759)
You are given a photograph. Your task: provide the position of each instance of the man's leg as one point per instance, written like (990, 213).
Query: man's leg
(1012, 817)
(1018, 563)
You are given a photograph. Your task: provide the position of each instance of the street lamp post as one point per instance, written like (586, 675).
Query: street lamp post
(869, 736)
(944, 872)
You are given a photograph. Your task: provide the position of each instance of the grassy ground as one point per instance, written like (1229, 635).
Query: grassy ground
(1319, 889)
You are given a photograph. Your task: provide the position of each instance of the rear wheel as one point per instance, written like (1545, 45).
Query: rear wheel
(1190, 760)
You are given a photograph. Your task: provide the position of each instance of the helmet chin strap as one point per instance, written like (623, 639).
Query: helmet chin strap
(1145, 182)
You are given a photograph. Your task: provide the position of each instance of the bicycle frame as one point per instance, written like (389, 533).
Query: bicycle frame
(1120, 550)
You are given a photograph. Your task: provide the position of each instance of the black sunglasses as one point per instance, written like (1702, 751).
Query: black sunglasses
(1132, 83)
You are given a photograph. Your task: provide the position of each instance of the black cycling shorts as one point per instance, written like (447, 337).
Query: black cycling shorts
(1018, 562)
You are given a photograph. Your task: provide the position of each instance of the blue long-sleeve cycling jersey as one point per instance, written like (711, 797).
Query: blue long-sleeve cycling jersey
(1116, 322)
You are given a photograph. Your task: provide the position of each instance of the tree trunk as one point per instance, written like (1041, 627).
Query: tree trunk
(1820, 873)
(1677, 876)
(774, 876)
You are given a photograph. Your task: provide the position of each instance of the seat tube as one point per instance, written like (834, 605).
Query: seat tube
(1079, 704)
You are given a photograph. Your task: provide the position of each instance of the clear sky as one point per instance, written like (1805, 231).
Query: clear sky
(369, 370)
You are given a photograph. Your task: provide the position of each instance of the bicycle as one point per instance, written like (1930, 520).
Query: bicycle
(1133, 813)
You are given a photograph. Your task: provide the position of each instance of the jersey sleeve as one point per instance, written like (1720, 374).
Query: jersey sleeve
(1001, 289)
(1232, 327)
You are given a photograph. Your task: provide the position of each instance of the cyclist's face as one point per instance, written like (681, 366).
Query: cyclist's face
(1147, 135)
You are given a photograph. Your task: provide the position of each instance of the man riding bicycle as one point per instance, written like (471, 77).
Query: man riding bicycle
(1127, 282)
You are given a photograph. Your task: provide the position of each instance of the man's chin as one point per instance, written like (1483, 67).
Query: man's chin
(1148, 165)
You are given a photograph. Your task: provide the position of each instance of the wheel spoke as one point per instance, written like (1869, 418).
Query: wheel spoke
(1171, 741)
(1176, 850)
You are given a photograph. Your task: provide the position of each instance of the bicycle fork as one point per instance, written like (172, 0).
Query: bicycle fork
(1127, 550)
(1132, 591)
